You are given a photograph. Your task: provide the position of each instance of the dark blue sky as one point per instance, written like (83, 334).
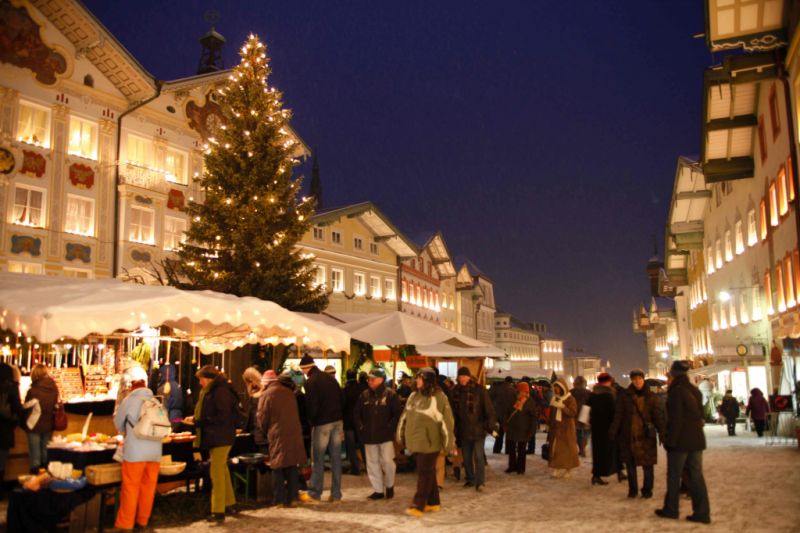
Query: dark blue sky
(540, 137)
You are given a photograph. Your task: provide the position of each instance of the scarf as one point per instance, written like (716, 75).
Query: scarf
(523, 393)
(198, 413)
(558, 403)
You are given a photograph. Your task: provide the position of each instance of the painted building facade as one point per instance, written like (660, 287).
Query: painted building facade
(427, 284)
(520, 340)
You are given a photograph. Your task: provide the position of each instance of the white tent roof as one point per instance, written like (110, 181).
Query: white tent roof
(397, 328)
(519, 372)
(50, 308)
(452, 350)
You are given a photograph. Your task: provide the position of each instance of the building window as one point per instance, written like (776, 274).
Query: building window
(319, 234)
(788, 272)
(763, 210)
(140, 151)
(337, 280)
(774, 115)
(174, 232)
(25, 268)
(373, 248)
(142, 225)
(319, 276)
(768, 293)
(710, 260)
(336, 237)
(80, 215)
(359, 284)
(719, 254)
(783, 193)
(79, 273)
(82, 138)
(779, 287)
(728, 246)
(752, 232)
(33, 126)
(358, 243)
(744, 314)
(175, 166)
(756, 301)
(739, 237)
(774, 219)
(732, 320)
(762, 139)
(714, 317)
(790, 179)
(418, 296)
(404, 295)
(375, 287)
(28, 206)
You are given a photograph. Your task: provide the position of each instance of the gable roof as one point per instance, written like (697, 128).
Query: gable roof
(440, 255)
(379, 224)
(473, 269)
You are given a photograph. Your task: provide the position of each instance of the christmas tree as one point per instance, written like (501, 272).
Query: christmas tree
(242, 236)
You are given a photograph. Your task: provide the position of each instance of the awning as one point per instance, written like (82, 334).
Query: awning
(519, 373)
(713, 370)
(49, 308)
(398, 328)
(455, 351)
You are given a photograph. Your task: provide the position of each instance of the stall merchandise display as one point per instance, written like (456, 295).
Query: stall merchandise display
(94, 379)
(69, 382)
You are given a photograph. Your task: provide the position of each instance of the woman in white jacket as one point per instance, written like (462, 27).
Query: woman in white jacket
(141, 458)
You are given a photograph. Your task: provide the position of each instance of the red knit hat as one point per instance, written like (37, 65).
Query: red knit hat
(604, 377)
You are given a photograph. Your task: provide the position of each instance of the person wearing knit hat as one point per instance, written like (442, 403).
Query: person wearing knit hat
(602, 404)
(330, 369)
(268, 377)
(376, 415)
(685, 442)
(474, 415)
(325, 413)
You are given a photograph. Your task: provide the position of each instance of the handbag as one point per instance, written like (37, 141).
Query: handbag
(649, 428)
(59, 417)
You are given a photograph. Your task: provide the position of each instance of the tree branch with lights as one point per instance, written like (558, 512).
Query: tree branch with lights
(242, 237)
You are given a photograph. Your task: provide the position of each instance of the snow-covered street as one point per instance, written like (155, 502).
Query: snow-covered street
(752, 487)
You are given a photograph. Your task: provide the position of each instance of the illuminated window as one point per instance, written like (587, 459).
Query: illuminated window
(774, 219)
(28, 206)
(774, 114)
(418, 296)
(762, 139)
(790, 179)
(752, 231)
(142, 225)
(359, 284)
(728, 246)
(768, 293)
(25, 268)
(779, 287)
(337, 280)
(33, 126)
(763, 211)
(788, 272)
(732, 320)
(388, 289)
(82, 138)
(375, 287)
(755, 299)
(175, 166)
(783, 200)
(404, 287)
(320, 276)
(80, 215)
(80, 273)
(710, 261)
(739, 244)
(140, 151)
(719, 254)
(174, 232)
(744, 313)
(723, 316)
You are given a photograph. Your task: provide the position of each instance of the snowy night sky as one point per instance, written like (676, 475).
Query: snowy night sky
(540, 137)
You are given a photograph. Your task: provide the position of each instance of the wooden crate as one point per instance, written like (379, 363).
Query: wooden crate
(104, 474)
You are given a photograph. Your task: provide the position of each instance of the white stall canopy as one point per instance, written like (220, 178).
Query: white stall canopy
(50, 308)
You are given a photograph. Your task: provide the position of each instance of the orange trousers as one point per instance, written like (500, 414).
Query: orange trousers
(139, 482)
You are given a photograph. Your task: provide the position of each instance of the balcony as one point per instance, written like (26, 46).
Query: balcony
(144, 177)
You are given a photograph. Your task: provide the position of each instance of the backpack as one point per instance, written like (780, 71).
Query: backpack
(153, 422)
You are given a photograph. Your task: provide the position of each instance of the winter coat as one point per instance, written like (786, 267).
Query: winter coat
(603, 405)
(427, 425)
(253, 426)
(135, 450)
(10, 390)
(323, 398)
(503, 398)
(46, 391)
(279, 418)
(217, 423)
(473, 411)
(352, 395)
(562, 438)
(634, 410)
(581, 395)
(376, 415)
(757, 406)
(729, 408)
(685, 417)
(521, 424)
(173, 402)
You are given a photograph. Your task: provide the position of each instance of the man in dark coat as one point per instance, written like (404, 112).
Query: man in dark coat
(474, 418)
(352, 392)
(581, 394)
(730, 410)
(685, 442)
(279, 419)
(324, 411)
(602, 402)
(637, 419)
(503, 397)
(376, 416)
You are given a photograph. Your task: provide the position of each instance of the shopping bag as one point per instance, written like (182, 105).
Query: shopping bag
(35, 414)
(583, 416)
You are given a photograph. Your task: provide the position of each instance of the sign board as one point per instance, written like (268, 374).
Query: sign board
(416, 361)
(382, 356)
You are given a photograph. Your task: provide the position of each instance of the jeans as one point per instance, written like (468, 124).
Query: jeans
(474, 461)
(697, 485)
(633, 482)
(351, 445)
(380, 465)
(285, 483)
(37, 449)
(516, 455)
(427, 489)
(498, 441)
(327, 437)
